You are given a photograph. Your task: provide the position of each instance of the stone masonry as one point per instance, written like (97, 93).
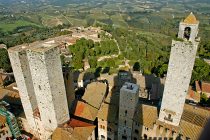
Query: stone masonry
(45, 66)
(38, 73)
(19, 61)
(129, 95)
(180, 68)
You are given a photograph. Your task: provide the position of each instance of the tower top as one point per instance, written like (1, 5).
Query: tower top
(191, 19)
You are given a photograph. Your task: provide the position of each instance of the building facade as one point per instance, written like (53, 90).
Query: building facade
(129, 95)
(38, 73)
(21, 70)
(182, 58)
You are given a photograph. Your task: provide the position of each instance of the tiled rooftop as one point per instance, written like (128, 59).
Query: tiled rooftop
(191, 19)
(108, 112)
(146, 115)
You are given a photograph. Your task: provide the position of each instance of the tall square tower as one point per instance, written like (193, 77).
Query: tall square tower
(21, 70)
(46, 72)
(182, 58)
(129, 95)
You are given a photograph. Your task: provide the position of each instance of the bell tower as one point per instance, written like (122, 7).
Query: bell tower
(182, 58)
(188, 29)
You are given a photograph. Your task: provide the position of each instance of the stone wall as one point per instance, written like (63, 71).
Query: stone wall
(177, 82)
(129, 95)
(19, 62)
(49, 87)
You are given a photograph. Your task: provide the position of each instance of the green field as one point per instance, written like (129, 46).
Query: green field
(7, 27)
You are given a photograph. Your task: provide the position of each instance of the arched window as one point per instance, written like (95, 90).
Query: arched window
(169, 116)
(187, 33)
(145, 136)
(136, 131)
(102, 137)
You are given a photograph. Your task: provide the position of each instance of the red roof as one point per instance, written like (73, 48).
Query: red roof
(77, 123)
(198, 87)
(205, 87)
(191, 93)
(79, 108)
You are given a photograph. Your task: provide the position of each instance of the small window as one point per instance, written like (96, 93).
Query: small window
(126, 112)
(125, 122)
(124, 137)
(50, 121)
(187, 33)
(102, 137)
(145, 136)
(136, 131)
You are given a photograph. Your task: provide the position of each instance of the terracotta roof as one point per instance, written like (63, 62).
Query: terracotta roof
(190, 130)
(77, 133)
(197, 86)
(108, 112)
(95, 94)
(191, 19)
(146, 115)
(91, 102)
(85, 111)
(2, 119)
(192, 123)
(77, 123)
(198, 110)
(205, 87)
(193, 95)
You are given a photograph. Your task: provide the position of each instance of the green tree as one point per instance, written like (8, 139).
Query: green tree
(201, 71)
(111, 63)
(136, 66)
(93, 62)
(4, 60)
(203, 99)
(161, 70)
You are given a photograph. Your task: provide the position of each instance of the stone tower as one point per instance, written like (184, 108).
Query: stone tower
(129, 95)
(20, 65)
(38, 74)
(47, 77)
(182, 58)
(69, 85)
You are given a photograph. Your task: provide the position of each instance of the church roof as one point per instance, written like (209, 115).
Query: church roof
(191, 19)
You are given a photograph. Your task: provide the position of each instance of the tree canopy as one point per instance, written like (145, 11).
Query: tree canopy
(4, 61)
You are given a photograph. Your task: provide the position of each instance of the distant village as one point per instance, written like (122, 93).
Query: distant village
(42, 100)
